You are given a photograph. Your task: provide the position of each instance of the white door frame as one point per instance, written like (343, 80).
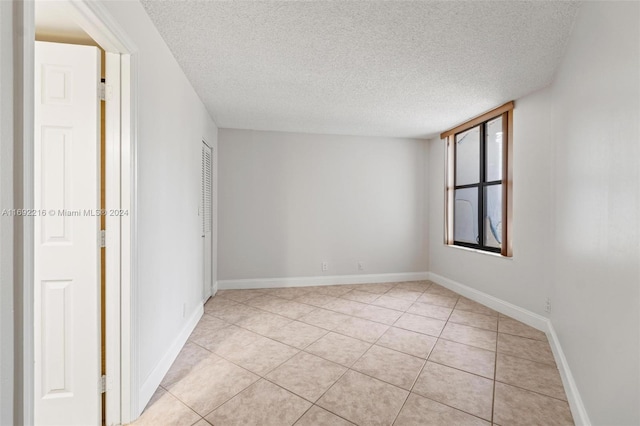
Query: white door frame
(121, 183)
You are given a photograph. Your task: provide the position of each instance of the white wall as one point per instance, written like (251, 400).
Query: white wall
(14, 408)
(172, 121)
(6, 223)
(290, 201)
(575, 212)
(596, 139)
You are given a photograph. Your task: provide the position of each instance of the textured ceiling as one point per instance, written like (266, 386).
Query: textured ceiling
(405, 69)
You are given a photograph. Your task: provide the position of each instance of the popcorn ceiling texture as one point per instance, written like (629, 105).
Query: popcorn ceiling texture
(402, 69)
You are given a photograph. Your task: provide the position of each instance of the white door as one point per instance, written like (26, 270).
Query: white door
(207, 216)
(67, 256)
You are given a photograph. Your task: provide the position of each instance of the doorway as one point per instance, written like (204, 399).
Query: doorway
(118, 219)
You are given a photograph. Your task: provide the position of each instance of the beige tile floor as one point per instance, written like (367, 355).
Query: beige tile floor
(410, 353)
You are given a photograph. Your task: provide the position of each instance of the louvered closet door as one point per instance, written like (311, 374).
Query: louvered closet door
(207, 217)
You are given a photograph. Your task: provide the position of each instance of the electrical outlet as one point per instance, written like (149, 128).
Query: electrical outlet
(547, 305)
(361, 266)
(325, 266)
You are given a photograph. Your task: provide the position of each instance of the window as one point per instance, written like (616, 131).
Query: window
(479, 182)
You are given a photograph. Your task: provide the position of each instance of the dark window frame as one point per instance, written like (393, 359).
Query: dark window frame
(506, 112)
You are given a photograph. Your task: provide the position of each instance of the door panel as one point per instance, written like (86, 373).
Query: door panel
(67, 257)
(55, 183)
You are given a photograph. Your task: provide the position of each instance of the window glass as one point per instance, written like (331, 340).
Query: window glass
(466, 216)
(493, 216)
(468, 157)
(493, 149)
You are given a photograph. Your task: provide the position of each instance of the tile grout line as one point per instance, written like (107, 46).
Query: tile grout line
(411, 389)
(299, 350)
(532, 391)
(495, 374)
(466, 344)
(392, 325)
(440, 402)
(181, 401)
(528, 359)
(244, 368)
(425, 334)
(349, 368)
(416, 378)
(328, 389)
(260, 377)
(302, 415)
(444, 403)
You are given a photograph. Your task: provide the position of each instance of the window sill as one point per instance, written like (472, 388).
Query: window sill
(487, 253)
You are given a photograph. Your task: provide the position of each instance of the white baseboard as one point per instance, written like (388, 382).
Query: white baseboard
(214, 289)
(580, 416)
(152, 382)
(534, 320)
(578, 410)
(320, 280)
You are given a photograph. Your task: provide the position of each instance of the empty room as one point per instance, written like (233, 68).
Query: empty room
(320, 213)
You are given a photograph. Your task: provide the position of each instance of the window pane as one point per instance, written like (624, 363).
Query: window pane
(468, 157)
(493, 216)
(493, 149)
(465, 228)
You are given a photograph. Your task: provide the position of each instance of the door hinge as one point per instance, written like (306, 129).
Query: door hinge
(103, 384)
(103, 238)
(103, 91)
